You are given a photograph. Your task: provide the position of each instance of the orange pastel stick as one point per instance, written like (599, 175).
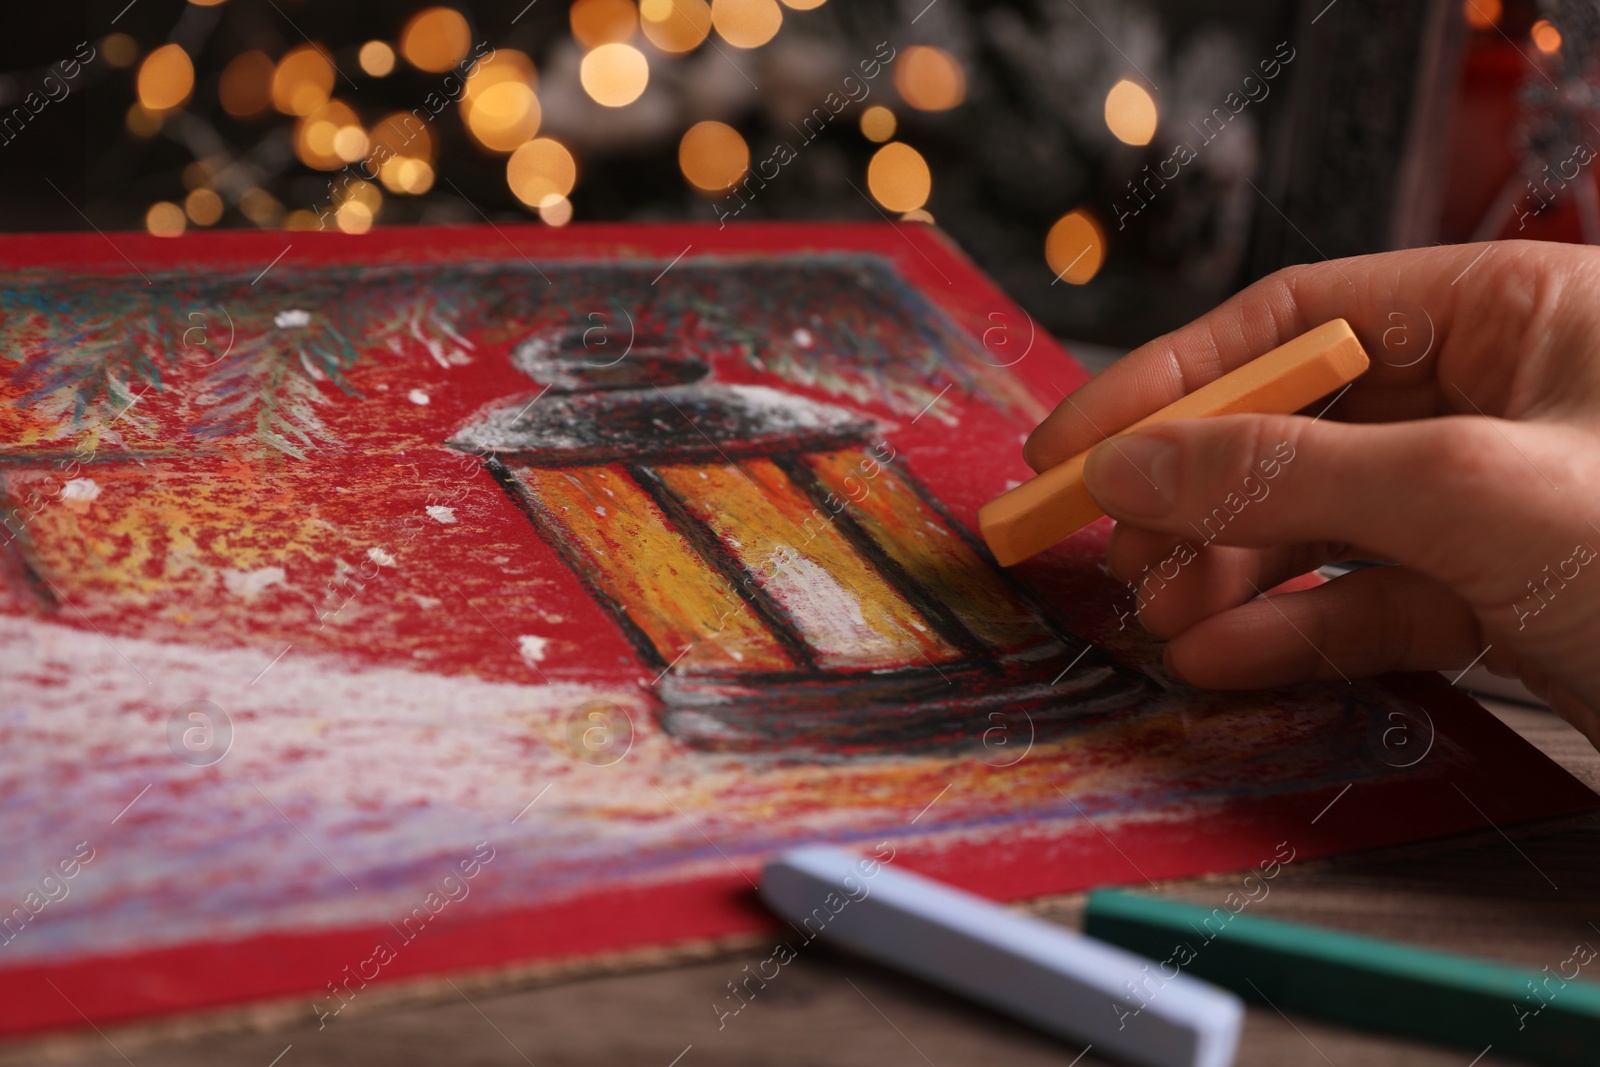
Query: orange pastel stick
(1041, 511)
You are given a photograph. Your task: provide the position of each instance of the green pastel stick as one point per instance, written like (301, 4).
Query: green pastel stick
(1548, 1016)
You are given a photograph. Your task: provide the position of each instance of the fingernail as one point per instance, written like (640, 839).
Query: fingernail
(1133, 477)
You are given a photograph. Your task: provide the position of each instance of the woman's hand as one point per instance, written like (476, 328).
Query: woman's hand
(1469, 455)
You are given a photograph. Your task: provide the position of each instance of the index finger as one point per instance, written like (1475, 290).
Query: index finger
(1263, 316)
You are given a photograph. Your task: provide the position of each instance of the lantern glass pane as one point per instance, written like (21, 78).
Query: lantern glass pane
(933, 555)
(621, 542)
(848, 615)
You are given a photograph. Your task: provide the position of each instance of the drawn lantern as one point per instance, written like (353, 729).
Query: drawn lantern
(788, 581)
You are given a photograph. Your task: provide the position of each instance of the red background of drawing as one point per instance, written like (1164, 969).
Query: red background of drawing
(1510, 781)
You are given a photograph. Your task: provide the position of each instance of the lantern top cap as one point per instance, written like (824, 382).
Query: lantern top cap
(677, 424)
(578, 358)
(630, 397)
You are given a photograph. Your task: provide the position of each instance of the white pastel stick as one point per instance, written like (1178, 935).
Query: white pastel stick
(1059, 981)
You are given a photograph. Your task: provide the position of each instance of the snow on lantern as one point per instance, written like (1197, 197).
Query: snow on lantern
(789, 582)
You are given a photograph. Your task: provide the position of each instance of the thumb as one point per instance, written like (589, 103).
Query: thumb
(1478, 504)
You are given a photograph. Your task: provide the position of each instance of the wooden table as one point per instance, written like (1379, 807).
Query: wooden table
(1527, 895)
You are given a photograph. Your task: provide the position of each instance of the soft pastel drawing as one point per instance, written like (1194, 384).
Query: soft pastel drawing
(437, 604)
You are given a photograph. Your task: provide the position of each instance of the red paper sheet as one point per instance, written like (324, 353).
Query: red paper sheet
(441, 599)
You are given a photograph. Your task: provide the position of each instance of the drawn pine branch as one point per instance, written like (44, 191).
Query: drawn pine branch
(86, 370)
(268, 391)
(83, 357)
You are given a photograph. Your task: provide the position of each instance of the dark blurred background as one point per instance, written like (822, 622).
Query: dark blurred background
(1117, 165)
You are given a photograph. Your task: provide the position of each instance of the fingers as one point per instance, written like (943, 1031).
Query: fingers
(1472, 502)
(1401, 304)
(1173, 584)
(1367, 622)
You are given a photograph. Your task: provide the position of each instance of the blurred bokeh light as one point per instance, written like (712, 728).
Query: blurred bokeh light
(615, 74)
(120, 50)
(877, 123)
(675, 25)
(1131, 113)
(376, 58)
(929, 79)
(435, 39)
(166, 78)
(555, 211)
(330, 137)
(203, 207)
(503, 116)
(746, 23)
(713, 156)
(1075, 248)
(1546, 38)
(164, 219)
(598, 22)
(898, 177)
(303, 81)
(1481, 14)
(245, 89)
(1017, 124)
(541, 171)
